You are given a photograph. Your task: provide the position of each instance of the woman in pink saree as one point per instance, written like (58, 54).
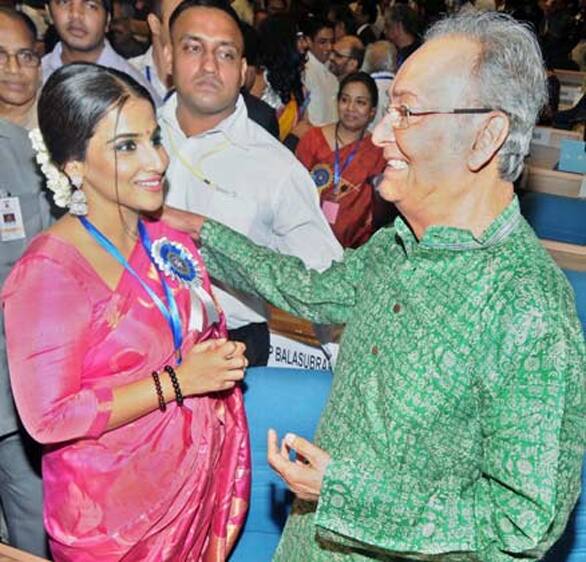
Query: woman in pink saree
(117, 353)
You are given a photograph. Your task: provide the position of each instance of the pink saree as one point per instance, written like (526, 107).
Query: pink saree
(171, 485)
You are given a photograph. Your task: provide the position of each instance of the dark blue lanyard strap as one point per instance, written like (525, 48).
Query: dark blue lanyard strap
(170, 312)
(337, 170)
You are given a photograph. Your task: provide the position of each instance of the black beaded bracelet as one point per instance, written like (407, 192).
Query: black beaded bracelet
(159, 389)
(173, 376)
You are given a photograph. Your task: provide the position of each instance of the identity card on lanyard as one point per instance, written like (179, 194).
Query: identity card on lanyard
(11, 223)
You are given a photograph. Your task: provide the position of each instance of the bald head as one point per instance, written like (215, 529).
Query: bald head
(346, 56)
(380, 56)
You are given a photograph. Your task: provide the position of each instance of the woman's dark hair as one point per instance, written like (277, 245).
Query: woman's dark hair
(363, 78)
(74, 100)
(281, 58)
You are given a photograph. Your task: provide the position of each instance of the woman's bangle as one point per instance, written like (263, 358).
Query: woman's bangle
(173, 376)
(159, 389)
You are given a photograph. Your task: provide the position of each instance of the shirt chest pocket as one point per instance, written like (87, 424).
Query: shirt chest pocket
(234, 210)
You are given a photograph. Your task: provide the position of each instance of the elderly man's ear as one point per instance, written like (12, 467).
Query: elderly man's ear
(488, 141)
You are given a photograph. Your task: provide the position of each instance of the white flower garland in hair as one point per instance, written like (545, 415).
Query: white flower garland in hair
(57, 181)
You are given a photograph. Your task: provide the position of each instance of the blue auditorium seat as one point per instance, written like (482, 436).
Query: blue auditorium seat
(554, 217)
(288, 400)
(572, 546)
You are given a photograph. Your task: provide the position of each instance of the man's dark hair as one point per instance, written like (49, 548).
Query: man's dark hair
(16, 15)
(251, 43)
(156, 7)
(407, 17)
(369, 9)
(312, 25)
(222, 5)
(344, 15)
(107, 4)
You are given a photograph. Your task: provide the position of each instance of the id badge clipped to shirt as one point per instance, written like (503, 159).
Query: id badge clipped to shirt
(330, 210)
(11, 223)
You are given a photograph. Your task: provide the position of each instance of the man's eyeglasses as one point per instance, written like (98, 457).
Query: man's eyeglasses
(400, 114)
(24, 57)
(339, 55)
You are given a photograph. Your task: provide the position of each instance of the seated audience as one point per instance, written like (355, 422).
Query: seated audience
(344, 163)
(119, 364)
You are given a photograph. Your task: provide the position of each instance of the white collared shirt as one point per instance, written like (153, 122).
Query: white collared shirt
(108, 57)
(257, 188)
(145, 64)
(323, 91)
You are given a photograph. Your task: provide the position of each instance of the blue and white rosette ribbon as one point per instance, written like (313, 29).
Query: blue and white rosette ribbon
(176, 262)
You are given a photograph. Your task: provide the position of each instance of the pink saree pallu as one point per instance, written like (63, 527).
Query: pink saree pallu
(170, 486)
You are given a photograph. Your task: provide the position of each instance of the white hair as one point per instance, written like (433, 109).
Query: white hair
(380, 55)
(509, 75)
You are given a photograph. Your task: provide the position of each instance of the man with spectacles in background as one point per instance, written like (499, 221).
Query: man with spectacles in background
(346, 56)
(20, 75)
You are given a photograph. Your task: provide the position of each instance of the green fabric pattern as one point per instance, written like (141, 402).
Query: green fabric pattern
(456, 419)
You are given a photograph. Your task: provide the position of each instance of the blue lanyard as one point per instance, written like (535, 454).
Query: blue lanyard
(170, 311)
(337, 171)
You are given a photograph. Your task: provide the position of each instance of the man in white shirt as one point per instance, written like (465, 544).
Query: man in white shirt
(81, 26)
(380, 62)
(152, 63)
(321, 84)
(223, 165)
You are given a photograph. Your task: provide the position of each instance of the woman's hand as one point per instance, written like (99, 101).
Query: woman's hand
(212, 366)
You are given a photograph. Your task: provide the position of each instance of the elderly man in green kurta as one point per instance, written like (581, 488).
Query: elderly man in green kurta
(455, 426)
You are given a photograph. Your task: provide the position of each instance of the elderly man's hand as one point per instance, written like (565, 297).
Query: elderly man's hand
(187, 222)
(304, 475)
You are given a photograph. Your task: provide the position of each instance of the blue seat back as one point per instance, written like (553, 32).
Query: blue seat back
(572, 546)
(287, 400)
(554, 217)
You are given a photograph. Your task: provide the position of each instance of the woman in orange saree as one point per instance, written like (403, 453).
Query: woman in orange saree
(117, 352)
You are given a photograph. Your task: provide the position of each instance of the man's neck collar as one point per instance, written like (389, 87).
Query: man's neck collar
(193, 125)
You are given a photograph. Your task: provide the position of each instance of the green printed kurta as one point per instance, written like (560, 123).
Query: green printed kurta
(456, 419)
